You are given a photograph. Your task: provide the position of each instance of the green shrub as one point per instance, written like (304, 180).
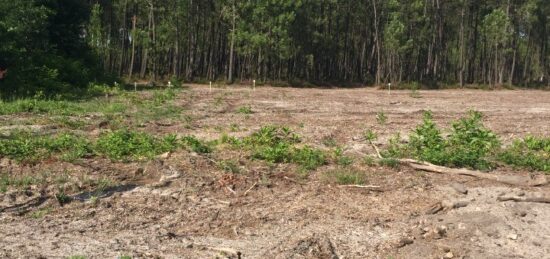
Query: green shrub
(530, 152)
(131, 145)
(470, 143)
(277, 145)
(307, 157)
(276, 153)
(426, 142)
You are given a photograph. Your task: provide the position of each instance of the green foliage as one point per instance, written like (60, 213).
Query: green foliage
(42, 47)
(347, 177)
(389, 162)
(196, 145)
(272, 135)
(277, 145)
(341, 159)
(381, 118)
(395, 148)
(124, 145)
(18, 182)
(530, 152)
(370, 135)
(426, 142)
(62, 197)
(24, 147)
(307, 157)
(470, 143)
(245, 110)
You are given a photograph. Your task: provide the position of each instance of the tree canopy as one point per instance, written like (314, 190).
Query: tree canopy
(45, 43)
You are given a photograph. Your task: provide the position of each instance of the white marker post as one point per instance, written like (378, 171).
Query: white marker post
(170, 84)
(135, 86)
(254, 85)
(389, 88)
(210, 86)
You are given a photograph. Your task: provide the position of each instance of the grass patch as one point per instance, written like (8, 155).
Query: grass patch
(25, 147)
(347, 177)
(196, 145)
(530, 152)
(229, 166)
(245, 110)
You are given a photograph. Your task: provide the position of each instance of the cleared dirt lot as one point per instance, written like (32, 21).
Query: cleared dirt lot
(184, 206)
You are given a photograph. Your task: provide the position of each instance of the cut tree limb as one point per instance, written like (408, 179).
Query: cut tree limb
(525, 199)
(508, 179)
(368, 187)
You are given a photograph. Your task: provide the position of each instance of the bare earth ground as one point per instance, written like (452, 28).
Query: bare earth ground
(180, 206)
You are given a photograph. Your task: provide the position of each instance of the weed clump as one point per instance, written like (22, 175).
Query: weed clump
(124, 145)
(24, 147)
(530, 152)
(278, 145)
(347, 177)
(196, 145)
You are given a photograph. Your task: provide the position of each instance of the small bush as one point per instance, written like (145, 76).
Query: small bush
(470, 143)
(131, 145)
(426, 142)
(309, 158)
(530, 152)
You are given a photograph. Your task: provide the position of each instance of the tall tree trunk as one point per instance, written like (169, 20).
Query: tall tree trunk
(133, 54)
(377, 39)
(232, 44)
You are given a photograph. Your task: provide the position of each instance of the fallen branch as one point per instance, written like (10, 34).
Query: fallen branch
(231, 190)
(524, 199)
(368, 187)
(376, 149)
(250, 189)
(508, 179)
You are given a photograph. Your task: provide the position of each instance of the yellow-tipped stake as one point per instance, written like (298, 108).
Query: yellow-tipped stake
(254, 85)
(389, 88)
(135, 86)
(210, 86)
